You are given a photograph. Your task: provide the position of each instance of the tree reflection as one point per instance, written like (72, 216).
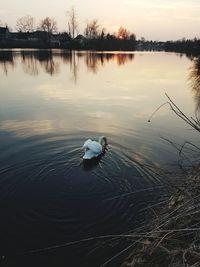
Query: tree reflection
(46, 59)
(124, 58)
(6, 61)
(74, 65)
(195, 78)
(94, 60)
(31, 60)
(29, 63)
(50, 60)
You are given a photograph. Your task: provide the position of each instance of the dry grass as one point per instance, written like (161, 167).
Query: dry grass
(173, 236)
(174, 233)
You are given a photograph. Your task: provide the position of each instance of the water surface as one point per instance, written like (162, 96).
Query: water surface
(50, 103)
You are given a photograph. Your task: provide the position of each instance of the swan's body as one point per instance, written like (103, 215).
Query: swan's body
(93, 149)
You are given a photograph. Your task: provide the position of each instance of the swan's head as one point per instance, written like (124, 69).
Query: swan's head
(103, 141)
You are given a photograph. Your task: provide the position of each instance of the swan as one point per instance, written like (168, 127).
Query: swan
(93, 149)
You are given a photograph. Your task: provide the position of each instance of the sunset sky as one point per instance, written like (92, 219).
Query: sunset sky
(152, 19)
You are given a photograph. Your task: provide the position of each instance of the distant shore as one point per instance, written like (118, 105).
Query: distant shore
(101, 42)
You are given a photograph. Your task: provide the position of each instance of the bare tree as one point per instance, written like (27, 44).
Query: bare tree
(92, 29)
(72, 23)
(25, 24)
(123, 33)
(102, 33)
(48, 25)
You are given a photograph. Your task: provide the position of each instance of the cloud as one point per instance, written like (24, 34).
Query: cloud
(27, 128)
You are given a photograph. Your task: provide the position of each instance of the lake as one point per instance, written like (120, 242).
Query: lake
(50, 103)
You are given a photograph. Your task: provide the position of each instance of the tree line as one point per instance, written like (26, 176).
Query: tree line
(94, 36)
(189, 47)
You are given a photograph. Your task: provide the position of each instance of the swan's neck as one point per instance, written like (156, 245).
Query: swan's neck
(103, 141)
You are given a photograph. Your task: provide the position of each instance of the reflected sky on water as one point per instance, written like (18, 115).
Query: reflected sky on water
(50, 103)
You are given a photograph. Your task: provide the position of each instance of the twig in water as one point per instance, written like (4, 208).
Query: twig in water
(166, 103)
(191, 121)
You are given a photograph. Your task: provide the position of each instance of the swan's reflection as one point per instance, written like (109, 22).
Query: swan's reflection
(91, 164)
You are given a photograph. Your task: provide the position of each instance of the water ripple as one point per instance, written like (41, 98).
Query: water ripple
(49, 187)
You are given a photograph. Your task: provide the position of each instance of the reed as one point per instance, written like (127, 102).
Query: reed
(173, 234)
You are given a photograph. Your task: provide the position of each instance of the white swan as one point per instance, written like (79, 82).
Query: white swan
(93, 148)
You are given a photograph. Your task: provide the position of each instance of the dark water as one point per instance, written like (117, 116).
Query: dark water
(50, 103)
